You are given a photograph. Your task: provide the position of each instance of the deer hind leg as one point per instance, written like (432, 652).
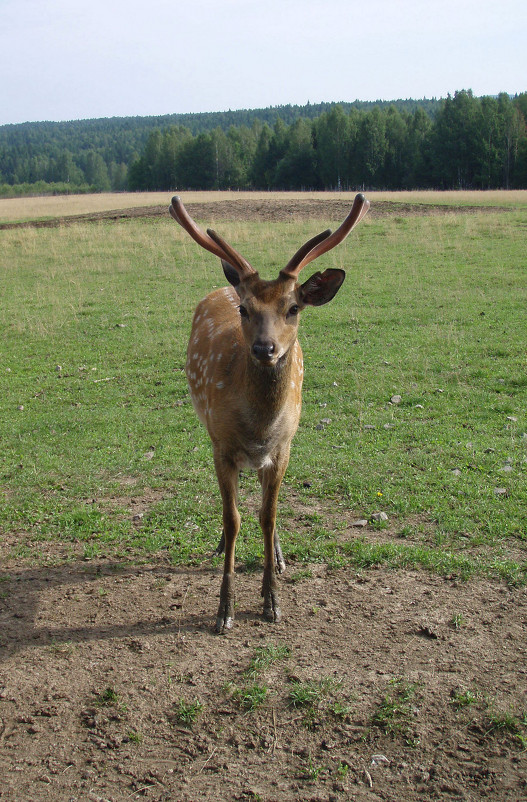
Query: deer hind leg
(220, 548)
(271, 479)
(228, 481)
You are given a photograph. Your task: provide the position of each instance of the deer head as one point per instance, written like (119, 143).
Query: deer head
(269, 310)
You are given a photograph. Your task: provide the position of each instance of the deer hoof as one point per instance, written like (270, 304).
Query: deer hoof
(225, 617)
(223, 624)
(271, 608)
(272, 613)
(280, 562)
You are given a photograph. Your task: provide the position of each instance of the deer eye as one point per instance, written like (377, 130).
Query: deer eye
(293, 310)
(243, 312)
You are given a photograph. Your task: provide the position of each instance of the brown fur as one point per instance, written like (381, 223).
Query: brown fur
(245, 372)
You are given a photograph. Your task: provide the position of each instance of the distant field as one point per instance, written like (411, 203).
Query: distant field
(14, 209)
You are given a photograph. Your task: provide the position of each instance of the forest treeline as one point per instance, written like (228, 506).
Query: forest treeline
(461, 142)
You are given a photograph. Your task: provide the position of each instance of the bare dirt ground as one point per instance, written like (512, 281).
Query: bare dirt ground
(96, 659)
(418, 682)
(273, 209)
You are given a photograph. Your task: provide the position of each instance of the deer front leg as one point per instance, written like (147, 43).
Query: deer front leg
(271, 479)
(228, 481)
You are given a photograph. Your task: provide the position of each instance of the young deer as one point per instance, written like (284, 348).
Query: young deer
(245, 369)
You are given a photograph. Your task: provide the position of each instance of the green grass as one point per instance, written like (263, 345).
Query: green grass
(317, 699)
(463, 698)
(266, 656)
(108, 698)
(510, 723)
(310, 693)
(253, 693)
(186, 713)
(395, 713)
(94, 407)
(486, 714)
(251, 696)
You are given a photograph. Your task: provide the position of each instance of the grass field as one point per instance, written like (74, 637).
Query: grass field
(95, 409)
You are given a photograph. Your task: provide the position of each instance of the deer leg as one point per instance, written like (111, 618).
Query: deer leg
(279, 557)
(271, 480)
(228, 481)
(220, 548)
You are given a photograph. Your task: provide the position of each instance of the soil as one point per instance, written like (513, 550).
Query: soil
(265, 210)
(419, 682)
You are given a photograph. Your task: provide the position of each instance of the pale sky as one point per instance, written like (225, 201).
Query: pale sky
(78, 59)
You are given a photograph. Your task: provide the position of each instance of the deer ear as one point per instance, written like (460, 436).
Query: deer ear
(231, 274)
(321, 287)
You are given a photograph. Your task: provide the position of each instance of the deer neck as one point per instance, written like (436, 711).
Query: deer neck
(267, 388)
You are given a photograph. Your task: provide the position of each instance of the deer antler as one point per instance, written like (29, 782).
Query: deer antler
(210, 241)
(326, 241)
(304, 250)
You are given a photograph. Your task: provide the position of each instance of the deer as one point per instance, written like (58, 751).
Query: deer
(245, 371)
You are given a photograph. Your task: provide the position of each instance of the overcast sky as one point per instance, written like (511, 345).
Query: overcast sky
(77, 59)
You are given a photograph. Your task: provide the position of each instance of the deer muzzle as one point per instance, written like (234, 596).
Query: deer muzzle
(264, 351)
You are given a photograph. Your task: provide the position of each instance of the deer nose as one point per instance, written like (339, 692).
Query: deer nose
(263, 350)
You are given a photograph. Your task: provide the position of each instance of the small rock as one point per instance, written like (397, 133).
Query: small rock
(59, 368)
(33, 729)
(379, 516)
(425, 631)
(501, 491)
(395, 399)
(20, 407)
(456, 472)
(306, 484)
(389, 426)
(506, 469)
(512, 418)
(325, 420)
(369, 426)
(360, 523)
(138, 516)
